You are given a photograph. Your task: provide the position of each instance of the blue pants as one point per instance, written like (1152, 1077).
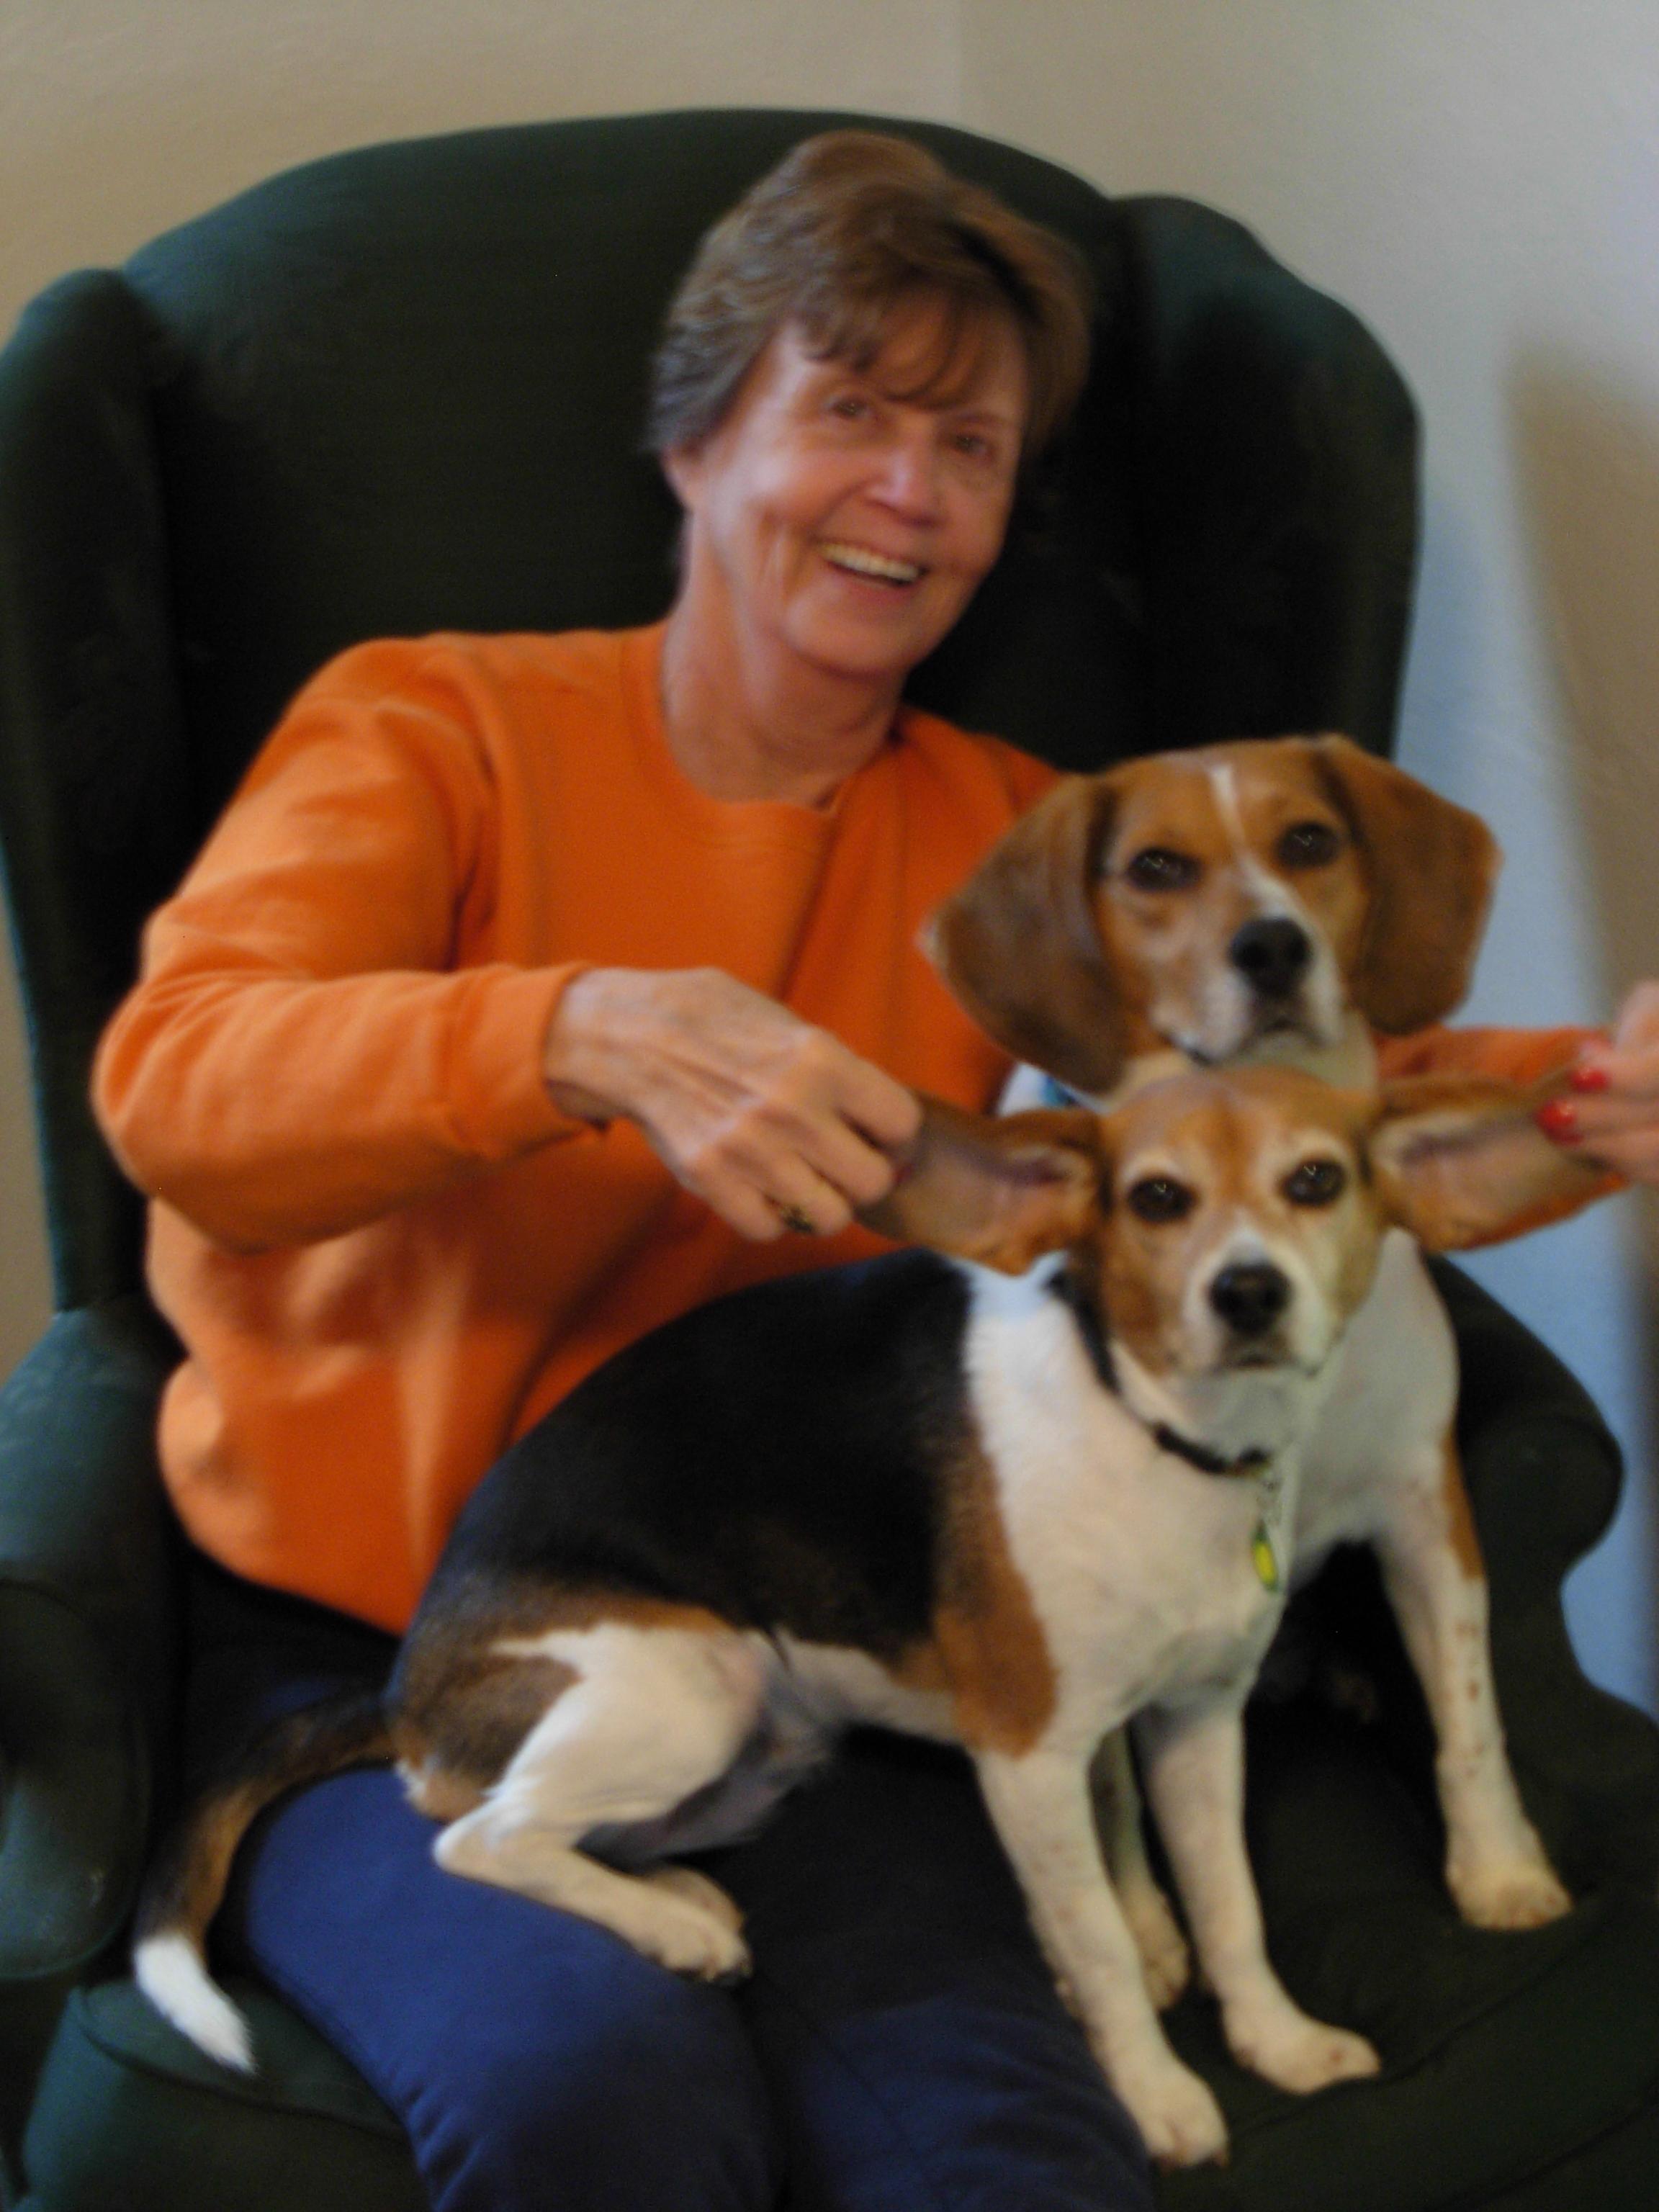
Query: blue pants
(900, 2047)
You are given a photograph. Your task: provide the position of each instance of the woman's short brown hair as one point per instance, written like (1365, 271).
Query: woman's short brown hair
(848, 229)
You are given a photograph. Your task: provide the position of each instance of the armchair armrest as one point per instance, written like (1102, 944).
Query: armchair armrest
(88, 1665)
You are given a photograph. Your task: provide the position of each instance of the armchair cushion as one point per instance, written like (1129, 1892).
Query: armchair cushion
(129, 2113)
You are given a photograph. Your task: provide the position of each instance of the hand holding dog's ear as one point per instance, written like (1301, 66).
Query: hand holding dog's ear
(999, 1190)
(1612, 1118)
(1461, 1161)
(770, 1120)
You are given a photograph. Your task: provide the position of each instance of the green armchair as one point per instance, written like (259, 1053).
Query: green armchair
(401, 390)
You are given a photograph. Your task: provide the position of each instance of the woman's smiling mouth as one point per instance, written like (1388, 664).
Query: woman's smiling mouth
(862, 561)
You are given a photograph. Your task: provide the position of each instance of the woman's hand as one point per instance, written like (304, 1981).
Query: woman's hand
(775, 1123)
(1614, 1119)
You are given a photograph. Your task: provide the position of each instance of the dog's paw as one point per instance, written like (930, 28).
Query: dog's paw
(697, 1889)
(691, 1926)
(1511, 1893)
(1176, 2113)
(1166, 1962)
(1296, 2053)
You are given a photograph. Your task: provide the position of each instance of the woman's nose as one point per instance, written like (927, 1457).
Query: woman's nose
(909, 479)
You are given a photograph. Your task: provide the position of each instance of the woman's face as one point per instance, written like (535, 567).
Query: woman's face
(837, 523)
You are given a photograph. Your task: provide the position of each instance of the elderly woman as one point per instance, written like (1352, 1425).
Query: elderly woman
(531, 990)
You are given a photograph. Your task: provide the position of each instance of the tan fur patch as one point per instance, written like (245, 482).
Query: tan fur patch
(224, 1821)
(1460, 1518)
(464, 1706)
(989, 1645)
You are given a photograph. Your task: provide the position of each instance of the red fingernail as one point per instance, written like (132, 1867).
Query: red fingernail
(1590, 1078)
(1559, 1119)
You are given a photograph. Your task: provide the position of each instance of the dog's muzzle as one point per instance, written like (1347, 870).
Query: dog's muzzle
(1250, 1297)
(1273, 954)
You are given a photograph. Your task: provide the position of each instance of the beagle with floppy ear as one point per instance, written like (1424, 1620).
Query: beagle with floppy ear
(1008, 1491)
(1280, 900)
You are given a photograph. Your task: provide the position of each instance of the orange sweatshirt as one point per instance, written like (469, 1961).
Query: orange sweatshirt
(385, 1249)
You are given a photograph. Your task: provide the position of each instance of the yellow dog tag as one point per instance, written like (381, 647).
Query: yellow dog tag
(1264, 1558)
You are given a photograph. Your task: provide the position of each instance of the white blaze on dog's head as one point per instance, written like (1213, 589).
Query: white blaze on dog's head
(1245, 901)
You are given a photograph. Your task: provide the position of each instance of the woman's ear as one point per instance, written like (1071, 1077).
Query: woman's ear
(683, 466)
(999, 1190)
(1461, 1161)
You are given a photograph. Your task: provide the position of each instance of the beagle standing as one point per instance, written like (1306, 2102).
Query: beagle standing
(1278, 901)
(1008, 1490)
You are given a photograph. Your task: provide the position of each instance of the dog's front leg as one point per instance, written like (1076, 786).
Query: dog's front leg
(1039, 1804)
(1165, 1958)
(1195, 1765)
(1496, 1866)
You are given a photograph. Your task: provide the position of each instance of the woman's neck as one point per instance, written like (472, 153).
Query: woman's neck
(744, 723)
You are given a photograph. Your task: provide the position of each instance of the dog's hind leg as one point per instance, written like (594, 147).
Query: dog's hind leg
(650, 1716)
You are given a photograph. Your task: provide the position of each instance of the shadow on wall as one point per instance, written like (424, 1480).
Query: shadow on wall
(1587, 452)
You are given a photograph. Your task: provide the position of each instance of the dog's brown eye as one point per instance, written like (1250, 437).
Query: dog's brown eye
(1315, 1182)
(1158, 868)
(1161, 1198)
(1309, 845)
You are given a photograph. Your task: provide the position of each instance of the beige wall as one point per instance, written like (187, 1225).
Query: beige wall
(1478, 178)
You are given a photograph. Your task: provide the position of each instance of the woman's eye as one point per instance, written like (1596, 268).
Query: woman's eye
(1161, 1198)
(1315, 1182)
(851, 406)
(1309, 845)
(1159, 868)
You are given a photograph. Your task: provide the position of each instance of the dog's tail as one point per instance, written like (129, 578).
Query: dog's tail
(186, 1883)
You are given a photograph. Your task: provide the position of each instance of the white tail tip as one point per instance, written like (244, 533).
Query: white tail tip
(171, 1973)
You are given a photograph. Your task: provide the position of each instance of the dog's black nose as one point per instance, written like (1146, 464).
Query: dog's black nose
(1251, 1296)
(1271, 954)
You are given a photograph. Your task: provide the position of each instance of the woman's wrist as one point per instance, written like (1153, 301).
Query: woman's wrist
(577, 1068)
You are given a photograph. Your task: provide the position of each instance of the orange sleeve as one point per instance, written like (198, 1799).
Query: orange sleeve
(294, 1062)
(1523, 1056)
(1518, 1055)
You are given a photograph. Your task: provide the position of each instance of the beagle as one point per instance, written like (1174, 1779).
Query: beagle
(1278, 901)
(1006, 1489)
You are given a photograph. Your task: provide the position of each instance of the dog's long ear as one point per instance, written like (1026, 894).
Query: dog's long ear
(1460, 1161)
(1019, 944)
(998, 1189)
(1432, 866)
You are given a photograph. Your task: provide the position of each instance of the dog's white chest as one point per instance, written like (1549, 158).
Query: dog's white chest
(1144, 1572)
(1390, 1403)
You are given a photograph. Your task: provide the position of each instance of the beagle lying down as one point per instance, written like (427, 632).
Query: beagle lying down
(1277, 901)
(1008, 1490)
